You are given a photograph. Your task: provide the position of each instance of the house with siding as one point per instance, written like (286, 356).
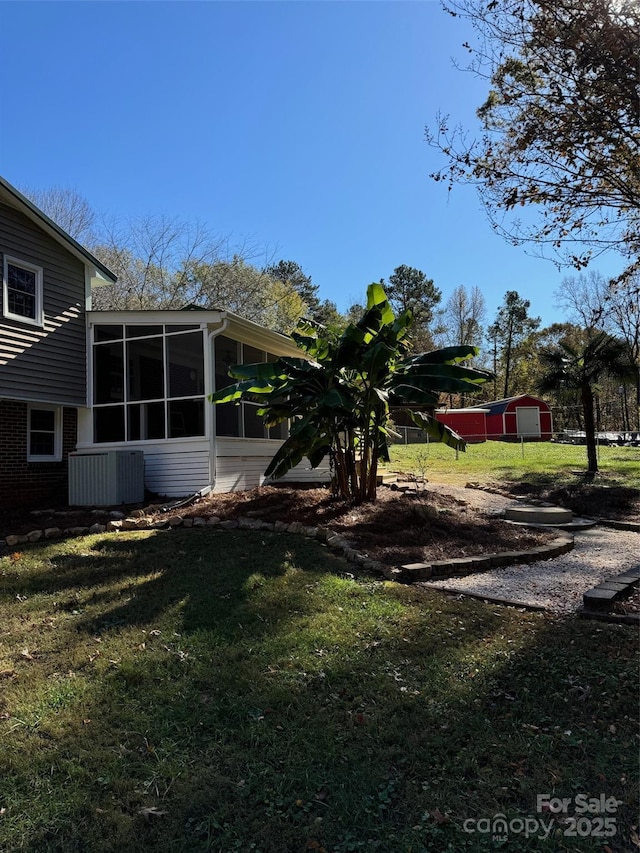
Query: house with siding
(88, 383)
(46, 291)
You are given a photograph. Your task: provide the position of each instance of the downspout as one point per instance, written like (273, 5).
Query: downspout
(213, 471)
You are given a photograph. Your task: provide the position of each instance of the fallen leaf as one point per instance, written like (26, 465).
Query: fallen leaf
(26, 654)
(439, 818)
(152, 811)
(7, 673)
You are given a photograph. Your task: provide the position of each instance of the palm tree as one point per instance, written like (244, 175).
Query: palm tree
(571, 367)
(337, 396)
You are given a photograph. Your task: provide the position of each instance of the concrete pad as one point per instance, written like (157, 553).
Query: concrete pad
(539, 514)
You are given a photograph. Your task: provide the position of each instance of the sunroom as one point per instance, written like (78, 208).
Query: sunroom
(149, 377)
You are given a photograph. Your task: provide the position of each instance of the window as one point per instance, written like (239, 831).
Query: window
(240, 421)
(227, 353)
(44, 434)
(148, 382)
(22, 291)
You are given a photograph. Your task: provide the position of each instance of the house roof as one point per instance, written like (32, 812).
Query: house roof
(496, 407)
(16, 199)
(240, 328)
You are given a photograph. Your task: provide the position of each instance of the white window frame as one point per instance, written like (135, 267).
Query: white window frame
(38, 320)
(164, 336)
(57, 433)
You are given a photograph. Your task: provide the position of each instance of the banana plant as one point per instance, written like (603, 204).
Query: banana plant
(337, 397)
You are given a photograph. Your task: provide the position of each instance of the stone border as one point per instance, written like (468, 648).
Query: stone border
(611, 618)
(403, 574)
(463, 566)
(598, 601)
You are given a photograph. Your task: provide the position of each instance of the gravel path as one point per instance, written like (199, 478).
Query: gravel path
(557, 584)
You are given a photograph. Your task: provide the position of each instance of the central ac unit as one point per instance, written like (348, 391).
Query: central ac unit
(107, 478)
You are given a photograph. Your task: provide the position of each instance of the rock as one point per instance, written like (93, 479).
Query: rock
(97, 528)
(187, 522)
(115, 513)
(175, 521)
(213, 521)
(281, 527)
(52, 532)
(76, 531)
(13, 540)
(34, 535)
(114, 525)
(137, 513)
(230, 524)
(249, 524)
(199, 522)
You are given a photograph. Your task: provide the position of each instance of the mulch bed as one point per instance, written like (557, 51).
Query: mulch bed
(398, 528)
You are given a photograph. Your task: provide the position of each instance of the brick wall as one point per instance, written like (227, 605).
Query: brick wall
(25, 483)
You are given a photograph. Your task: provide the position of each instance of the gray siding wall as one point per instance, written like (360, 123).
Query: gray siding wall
(44, 364)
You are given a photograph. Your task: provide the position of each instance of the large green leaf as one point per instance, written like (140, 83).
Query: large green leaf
(410, 394)
(377, 298)
(377, 359)
(436, 430)
(440, 371)
(269, 370)
(240, 390)
(446, 355)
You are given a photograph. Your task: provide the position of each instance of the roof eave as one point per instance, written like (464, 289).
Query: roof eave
(100, 273)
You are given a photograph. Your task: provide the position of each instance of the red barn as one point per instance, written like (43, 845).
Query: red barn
(502, 420)
(471, 424)
(518, 417)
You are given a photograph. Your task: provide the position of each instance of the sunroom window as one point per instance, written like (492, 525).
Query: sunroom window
(241, 421)
(148, 382)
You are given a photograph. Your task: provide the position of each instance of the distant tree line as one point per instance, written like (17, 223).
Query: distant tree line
(164, 262)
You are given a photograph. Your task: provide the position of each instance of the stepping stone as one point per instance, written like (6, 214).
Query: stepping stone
(616, 586)
(629, 575)
(539, 514)
(600, 599)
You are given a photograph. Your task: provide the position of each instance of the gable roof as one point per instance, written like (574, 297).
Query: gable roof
(496, 407)
(15, 198)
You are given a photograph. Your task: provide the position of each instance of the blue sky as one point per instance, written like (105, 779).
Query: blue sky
(296, 125)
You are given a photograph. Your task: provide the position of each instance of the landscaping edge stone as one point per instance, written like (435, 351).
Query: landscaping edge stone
(614, 588)
(458, 567)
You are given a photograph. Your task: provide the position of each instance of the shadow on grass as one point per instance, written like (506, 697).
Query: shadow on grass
(285, 707)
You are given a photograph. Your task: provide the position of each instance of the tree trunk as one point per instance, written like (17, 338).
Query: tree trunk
(507, 366)
(589, 429)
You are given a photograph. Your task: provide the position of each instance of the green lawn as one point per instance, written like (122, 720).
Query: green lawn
(208, 691)
(541, 462)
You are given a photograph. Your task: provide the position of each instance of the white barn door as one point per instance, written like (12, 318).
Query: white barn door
(528, 421)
